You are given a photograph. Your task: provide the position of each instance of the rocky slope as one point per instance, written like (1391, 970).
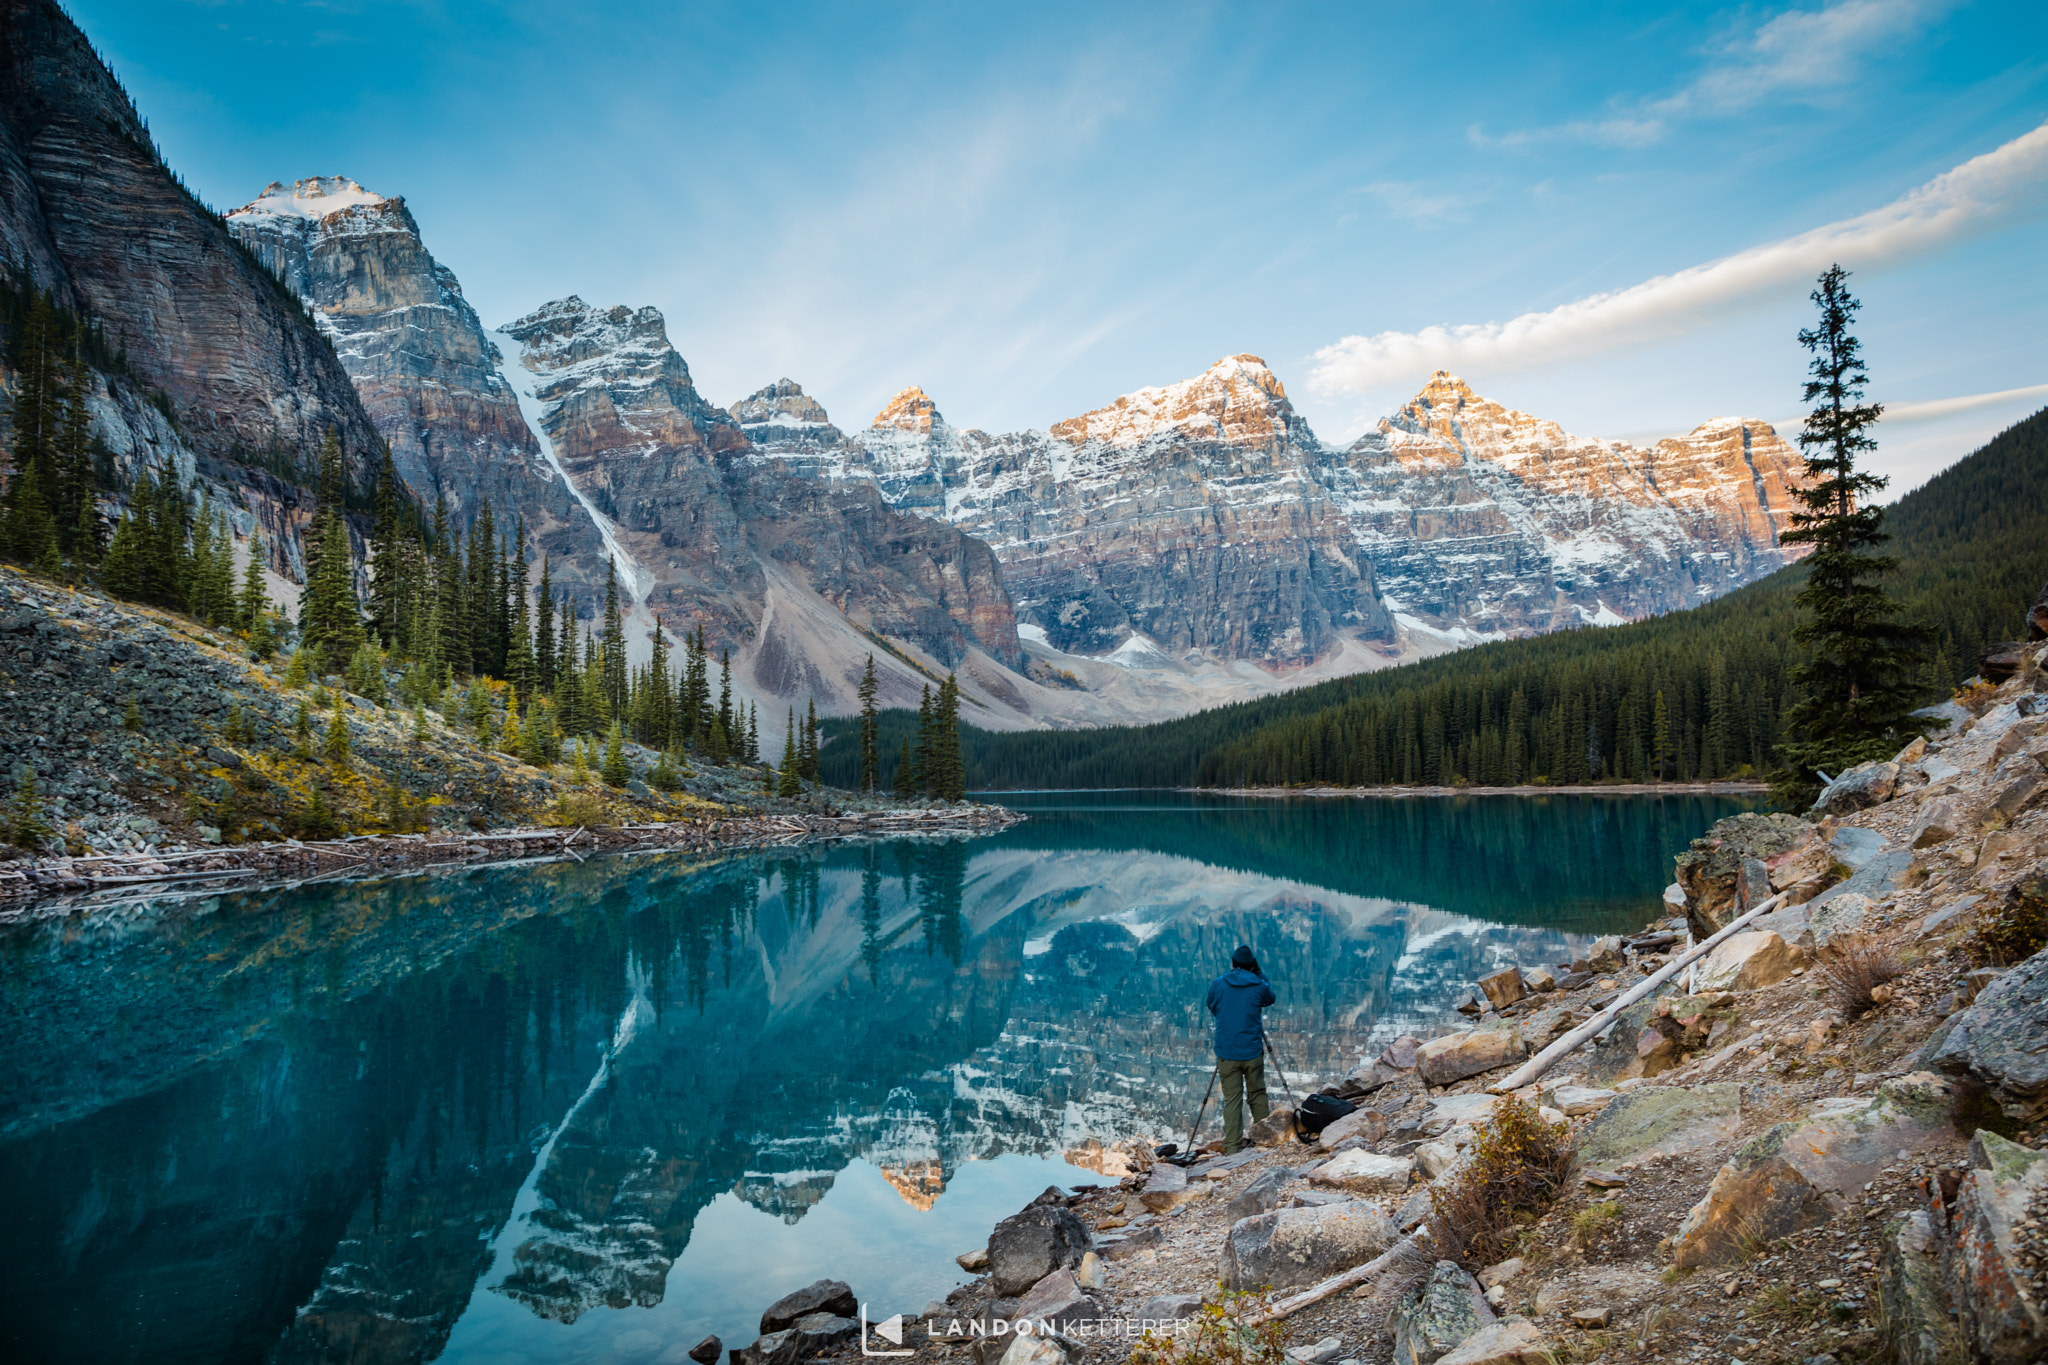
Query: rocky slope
(418, 356)
(89, 211)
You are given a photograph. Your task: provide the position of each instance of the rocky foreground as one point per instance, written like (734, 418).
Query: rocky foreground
(1818, 1142)
(161, 754)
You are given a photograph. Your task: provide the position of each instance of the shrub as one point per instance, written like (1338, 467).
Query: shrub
(2016, 930)
(1234, 1330)
(579, 809)
(1855, 974)
(1516, 1166)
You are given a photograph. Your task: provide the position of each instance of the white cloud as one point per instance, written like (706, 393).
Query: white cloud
(1974, 197)
(1897, 414)
(1800, 55)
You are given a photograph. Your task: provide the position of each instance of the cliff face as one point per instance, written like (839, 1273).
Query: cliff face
(1479, 518)
(1178, 519)
(795, 574)
(418, 356)
(88, 210)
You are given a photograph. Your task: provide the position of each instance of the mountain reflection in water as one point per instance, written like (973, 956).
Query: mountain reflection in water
(560, 1111)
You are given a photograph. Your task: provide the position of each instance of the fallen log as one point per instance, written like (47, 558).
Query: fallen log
(1544, 1060)
(1337, 1284)
(169, 877)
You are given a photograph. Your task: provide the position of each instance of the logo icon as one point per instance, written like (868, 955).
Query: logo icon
(889, 1329)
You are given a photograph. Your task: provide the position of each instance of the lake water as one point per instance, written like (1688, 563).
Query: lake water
(591, 1112)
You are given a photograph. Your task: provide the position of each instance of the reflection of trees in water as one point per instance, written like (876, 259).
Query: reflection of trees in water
(941, 881)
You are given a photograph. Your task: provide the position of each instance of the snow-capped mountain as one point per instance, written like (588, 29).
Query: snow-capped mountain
(1204, 521)
(419, 357)
(1480, 519)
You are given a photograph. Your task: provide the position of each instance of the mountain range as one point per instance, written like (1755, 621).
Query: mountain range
(1181, 546)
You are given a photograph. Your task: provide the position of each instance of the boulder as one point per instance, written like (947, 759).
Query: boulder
(1991, 1240)
(1367, 1077)
(1837, 923)
(1130, 1244)
(821, 1331)
(1277, 1127)
(1367, 1125)
(1414, 1210)
(1438, 1316)
(1798, 1175)
(973, 1262)
(1400, 1054)
(1939, 821)
(1539, 981)
(1503, 988)
(1511, 1341)
(1863, 786)
(1261, 1196)
(1168, 1187)
(1660, 1121)
(1056, 1300)
(1945, 718)
(1441, 1061)
(1435, 1158)
(1709, 871)
(1746, 962)
(1605, 954)
(707, 1351)
(1026, 1247)
(1909, 1288)
(1446, 1112)
(2018, 782)
(770, 1348)
(1322, 1353)
(2001, 1040)
(1288, 1248)
(1363, 1172)
(2001, 661)
(1033, 1349)
(1576, 1101)
(823, 1296)
(1500, 1274)
(1171, 1307)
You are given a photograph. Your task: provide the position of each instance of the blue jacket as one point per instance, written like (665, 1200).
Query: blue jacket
(1235, 999)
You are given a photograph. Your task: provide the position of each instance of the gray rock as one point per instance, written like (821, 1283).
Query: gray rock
(820, 1331)
(1026, 1247)
(1261, 1196)
(821, 1296)
(1909, 1287)
(1058, 1301)
(2002, 1038)
(1130, 1244)
(771, 1348)
(1993, 1292)
(1288, 1248)
(1400, 1054)
(1660, 1121)
(1945, 716)
(1438, 1316)
(707, 1351)
(1171, 1307)
(1415, 1210)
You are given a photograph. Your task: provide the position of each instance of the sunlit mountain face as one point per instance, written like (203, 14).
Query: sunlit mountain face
(533, 1108)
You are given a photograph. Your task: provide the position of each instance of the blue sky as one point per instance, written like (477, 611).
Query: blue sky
(1031, 209)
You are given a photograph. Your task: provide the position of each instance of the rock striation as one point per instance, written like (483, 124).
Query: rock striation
(419, 357)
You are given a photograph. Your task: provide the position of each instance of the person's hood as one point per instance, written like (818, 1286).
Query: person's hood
(1238, 976)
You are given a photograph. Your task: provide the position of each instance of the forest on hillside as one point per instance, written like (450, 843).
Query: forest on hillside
(1693, 695)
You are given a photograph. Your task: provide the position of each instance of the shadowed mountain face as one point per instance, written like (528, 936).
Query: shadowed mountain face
(468, 1111)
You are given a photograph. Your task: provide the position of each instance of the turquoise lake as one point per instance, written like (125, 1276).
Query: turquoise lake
(593, 1111)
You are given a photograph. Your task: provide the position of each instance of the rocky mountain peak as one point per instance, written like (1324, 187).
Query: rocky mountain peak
(567, 332)
(314, 198)
(1238, 400)
(909, 410)
(783, 403)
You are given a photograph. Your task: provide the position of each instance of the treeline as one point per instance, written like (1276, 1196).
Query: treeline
(909, 754)
(1695, 695)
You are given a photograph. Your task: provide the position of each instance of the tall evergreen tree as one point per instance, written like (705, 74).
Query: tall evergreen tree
(948, 779)
(544, 628)
(810, 742)
(870, 759)
(792, 764)
(1857, 679)
(906, 772)
(614, 651)
(927, 737)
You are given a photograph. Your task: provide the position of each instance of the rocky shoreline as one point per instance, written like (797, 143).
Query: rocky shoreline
(1817, 1142)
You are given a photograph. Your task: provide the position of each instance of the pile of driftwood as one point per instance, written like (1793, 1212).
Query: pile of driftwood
(37, 878)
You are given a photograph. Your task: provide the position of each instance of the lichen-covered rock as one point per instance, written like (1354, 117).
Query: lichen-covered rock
(1747, 961)
(1439, 1315)
(1863, 786)
(1026, 1247)
(1440, 1061)
(1291, 1247)
(1709, 871)
(2002, 1038)
(1798, 1175)
(1661, 1120)
(1909, 1286)
(1993, 1278)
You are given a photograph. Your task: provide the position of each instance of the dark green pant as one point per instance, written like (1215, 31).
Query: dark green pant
(1241, 1080)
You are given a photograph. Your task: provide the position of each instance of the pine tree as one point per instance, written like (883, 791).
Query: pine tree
(336, 742)
(810, 742)
(254, 602)
(27, 827)
(616, 771)
(77, 502)
(544, 628)
(614, 656)
(386, 554)
(870, 759)
(906, 773)
(330, 617)
(921, 775)
(948, 774)
(792, 780)
(725, 713)
(660, 708)
(716, 747)
(1856, 679)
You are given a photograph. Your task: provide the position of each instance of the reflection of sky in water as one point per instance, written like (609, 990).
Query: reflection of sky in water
(564, 1112)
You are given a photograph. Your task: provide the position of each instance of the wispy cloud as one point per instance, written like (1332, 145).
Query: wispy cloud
(1896, 414)
(1800, 55)
(1419, 202)
(1975, 196)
